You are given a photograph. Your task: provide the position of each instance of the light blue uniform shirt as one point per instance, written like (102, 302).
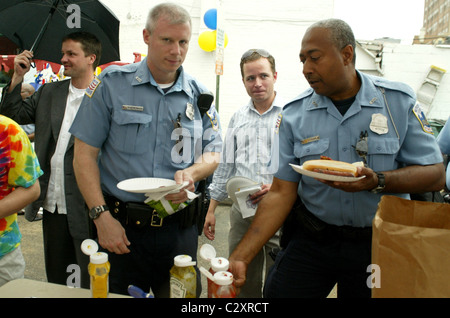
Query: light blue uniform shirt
(247, 150)
(130, 119)
(312, 126)
(443, 140)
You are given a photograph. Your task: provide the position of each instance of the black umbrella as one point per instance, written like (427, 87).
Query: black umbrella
(40, 25)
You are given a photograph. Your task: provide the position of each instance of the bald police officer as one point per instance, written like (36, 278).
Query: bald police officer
(348, 116)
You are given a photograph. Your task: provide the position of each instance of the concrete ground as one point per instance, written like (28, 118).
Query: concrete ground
(32, 246)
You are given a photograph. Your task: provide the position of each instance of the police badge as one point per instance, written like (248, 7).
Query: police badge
(190, 112)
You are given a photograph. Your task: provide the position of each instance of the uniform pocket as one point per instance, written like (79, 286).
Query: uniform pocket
(311, 150)
(130, 131)
(382, 153)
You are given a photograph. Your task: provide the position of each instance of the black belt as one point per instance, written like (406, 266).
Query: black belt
(141, 216)
(316, 228)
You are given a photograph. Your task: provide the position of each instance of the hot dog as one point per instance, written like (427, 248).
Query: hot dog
(333, 167)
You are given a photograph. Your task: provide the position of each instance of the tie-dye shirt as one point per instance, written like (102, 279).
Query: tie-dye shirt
(19, 167)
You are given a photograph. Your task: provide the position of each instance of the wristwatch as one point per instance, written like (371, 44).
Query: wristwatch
(97, 210)
(381, 183)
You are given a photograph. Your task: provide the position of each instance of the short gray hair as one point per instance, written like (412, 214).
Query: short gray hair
(340, 32)
(175, 13)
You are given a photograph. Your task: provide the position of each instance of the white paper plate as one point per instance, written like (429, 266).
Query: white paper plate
(324, 176)
(234, 184)
(149, 185)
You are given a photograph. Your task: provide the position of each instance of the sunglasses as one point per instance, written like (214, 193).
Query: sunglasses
(261, 52)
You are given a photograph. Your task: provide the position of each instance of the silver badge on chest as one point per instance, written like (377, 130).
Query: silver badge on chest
(379, 124)
(190, 112)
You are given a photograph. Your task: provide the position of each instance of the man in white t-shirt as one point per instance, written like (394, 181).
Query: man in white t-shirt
(52, 109)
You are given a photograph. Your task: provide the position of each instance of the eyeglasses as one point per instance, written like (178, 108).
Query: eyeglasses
(261, 52)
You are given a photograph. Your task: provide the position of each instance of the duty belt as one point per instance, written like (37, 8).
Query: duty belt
(140, 215)
(316, 228)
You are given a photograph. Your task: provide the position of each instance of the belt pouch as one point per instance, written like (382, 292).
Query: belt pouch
(138, 215)
(188, 216)
(313, 226)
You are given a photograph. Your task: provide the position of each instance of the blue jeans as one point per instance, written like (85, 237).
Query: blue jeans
(309, 268)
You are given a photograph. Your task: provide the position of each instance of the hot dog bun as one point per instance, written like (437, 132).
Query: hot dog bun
(333, 167)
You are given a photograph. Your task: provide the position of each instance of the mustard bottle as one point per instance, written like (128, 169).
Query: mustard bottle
(98, 269)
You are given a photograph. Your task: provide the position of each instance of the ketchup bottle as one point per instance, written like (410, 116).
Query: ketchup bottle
(218, 264)
(225, 286)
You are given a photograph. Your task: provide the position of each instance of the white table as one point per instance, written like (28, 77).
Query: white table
(26, 288)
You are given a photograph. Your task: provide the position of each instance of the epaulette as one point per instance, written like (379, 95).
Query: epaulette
(393, 85)
(128, 68)
(308, 92)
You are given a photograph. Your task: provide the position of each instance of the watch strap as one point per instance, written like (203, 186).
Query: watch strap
(381, 183)
(97, 210)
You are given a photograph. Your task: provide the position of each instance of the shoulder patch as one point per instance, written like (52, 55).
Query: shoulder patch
(92, 87)
(212, 114)
(417, 110)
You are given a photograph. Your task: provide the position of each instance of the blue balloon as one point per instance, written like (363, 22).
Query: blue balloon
(210, 19)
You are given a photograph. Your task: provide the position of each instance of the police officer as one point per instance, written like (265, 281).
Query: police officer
(347, 116)
(144, 121)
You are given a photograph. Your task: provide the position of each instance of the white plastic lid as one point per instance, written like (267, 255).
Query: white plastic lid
(99, 258)
(223, 278)
(89, 247)
(183, 261)
(207, 252)
(219, 264)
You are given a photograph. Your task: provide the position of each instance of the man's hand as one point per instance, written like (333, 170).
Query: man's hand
(111, 234)
(22, 59)
(369, 182)
(181, 196)
(239, 271)
(258, 196)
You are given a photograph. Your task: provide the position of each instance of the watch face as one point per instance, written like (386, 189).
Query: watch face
(93, 213)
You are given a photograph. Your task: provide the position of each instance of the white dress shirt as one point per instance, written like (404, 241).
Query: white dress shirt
(247, 148)
(55, 192)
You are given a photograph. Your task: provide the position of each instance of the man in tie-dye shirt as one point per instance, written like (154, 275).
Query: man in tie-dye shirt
(19, 171)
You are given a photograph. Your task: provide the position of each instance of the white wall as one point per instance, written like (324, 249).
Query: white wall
(277, 26)
(410, 64)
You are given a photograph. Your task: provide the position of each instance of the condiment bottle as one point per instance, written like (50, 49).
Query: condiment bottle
(183, 278)
(98, 269)
(226, 288)
(218, 264)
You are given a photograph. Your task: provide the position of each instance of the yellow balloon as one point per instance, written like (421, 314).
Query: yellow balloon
(207, 41)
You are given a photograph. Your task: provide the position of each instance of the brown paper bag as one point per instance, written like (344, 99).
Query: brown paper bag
(411, 246)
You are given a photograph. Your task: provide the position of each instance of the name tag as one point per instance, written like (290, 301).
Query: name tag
(311, 139)
(133, 108)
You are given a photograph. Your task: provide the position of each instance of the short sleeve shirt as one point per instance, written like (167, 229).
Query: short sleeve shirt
(19, 167)
(398, 136)
(143, 130)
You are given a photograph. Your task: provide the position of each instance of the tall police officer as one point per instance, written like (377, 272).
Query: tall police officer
(129, 116)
